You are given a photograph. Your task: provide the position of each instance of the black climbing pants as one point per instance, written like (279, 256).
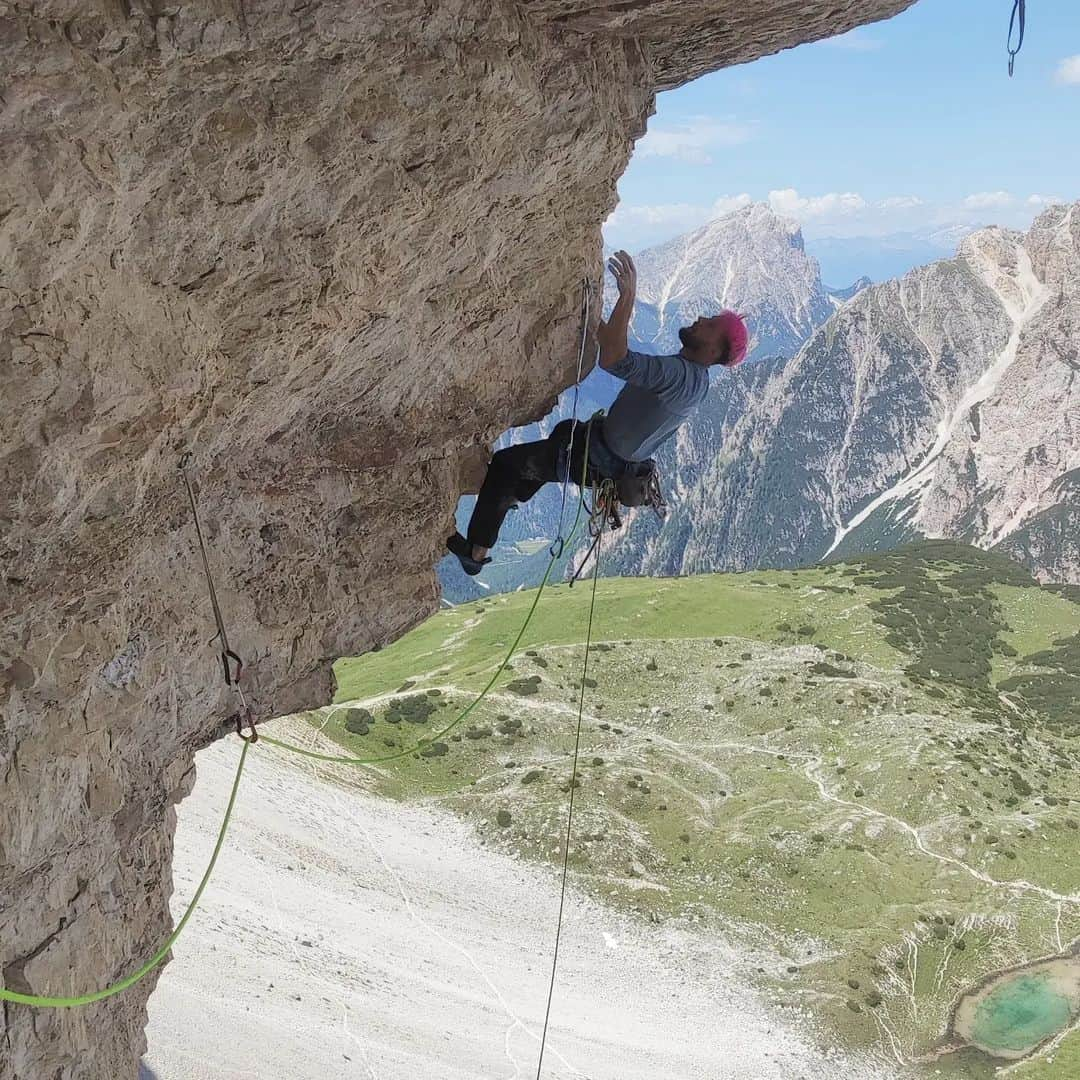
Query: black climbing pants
(517, 473)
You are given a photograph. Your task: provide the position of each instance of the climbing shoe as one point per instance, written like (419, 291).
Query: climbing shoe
(459, 546)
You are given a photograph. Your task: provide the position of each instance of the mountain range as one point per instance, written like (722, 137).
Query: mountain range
(882, 257)
(943, 404)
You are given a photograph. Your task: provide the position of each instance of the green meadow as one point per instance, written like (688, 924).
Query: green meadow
(863, 773)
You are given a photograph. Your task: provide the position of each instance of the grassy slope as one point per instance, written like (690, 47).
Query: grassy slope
(759, 751)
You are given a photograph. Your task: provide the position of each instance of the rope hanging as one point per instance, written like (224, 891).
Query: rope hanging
(245, 718)
(159, 956)
(570, 809)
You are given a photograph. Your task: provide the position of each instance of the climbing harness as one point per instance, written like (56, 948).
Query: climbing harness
(638, 486)
(570, 809)
(559, 543)
(1017, 17)
(243, 716)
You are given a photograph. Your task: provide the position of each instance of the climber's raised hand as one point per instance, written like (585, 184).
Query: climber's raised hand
(622, 266)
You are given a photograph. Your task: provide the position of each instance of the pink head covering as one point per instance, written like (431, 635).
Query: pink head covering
(737, 336)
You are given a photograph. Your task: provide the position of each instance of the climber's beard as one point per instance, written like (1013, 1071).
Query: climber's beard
(688, 335)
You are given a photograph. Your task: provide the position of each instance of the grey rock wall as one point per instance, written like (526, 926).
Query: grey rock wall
(331, 249)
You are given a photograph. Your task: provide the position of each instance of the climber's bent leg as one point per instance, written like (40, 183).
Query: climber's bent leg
(514, 476)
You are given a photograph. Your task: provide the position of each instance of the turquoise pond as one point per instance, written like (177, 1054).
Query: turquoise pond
(1019, 1014)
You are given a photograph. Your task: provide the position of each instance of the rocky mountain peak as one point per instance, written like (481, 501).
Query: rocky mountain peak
(752, 260)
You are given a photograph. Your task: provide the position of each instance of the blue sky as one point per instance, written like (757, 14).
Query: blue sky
(904, 125)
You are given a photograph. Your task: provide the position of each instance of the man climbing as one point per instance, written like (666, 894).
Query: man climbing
(660, 394)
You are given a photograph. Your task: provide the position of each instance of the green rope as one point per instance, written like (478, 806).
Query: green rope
(419, 745)
(159, 956)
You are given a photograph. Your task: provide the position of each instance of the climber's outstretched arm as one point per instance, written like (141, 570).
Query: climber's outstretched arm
(612, 334)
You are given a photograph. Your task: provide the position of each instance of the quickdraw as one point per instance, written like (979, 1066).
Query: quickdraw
(1016, 20)
(244, 715)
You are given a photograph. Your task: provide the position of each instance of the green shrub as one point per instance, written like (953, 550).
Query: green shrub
(524, 687)
(358, 721)
(820, 667)
(415, 709)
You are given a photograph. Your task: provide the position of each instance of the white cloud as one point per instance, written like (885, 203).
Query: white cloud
(1068, 71)
(854, 41)
(692, 140)
(789, 202)
(834, 214)
(727, 203)
(989, 200)
(673, 217)
(900, 202)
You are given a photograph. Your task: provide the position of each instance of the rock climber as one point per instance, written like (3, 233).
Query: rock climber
(660, 394)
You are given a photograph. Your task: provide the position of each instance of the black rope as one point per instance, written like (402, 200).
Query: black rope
(1018, 10)
(585, 561)
(570, 813)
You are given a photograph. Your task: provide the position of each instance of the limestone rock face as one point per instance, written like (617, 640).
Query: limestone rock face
(330, 249)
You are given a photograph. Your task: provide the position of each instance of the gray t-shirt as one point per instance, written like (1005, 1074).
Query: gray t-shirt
(660, 393)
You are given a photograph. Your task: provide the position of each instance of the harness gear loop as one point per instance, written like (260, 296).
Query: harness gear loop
(231, 664)
(559, 543)
(655, 496)
(603, 512)
(1018, 10)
